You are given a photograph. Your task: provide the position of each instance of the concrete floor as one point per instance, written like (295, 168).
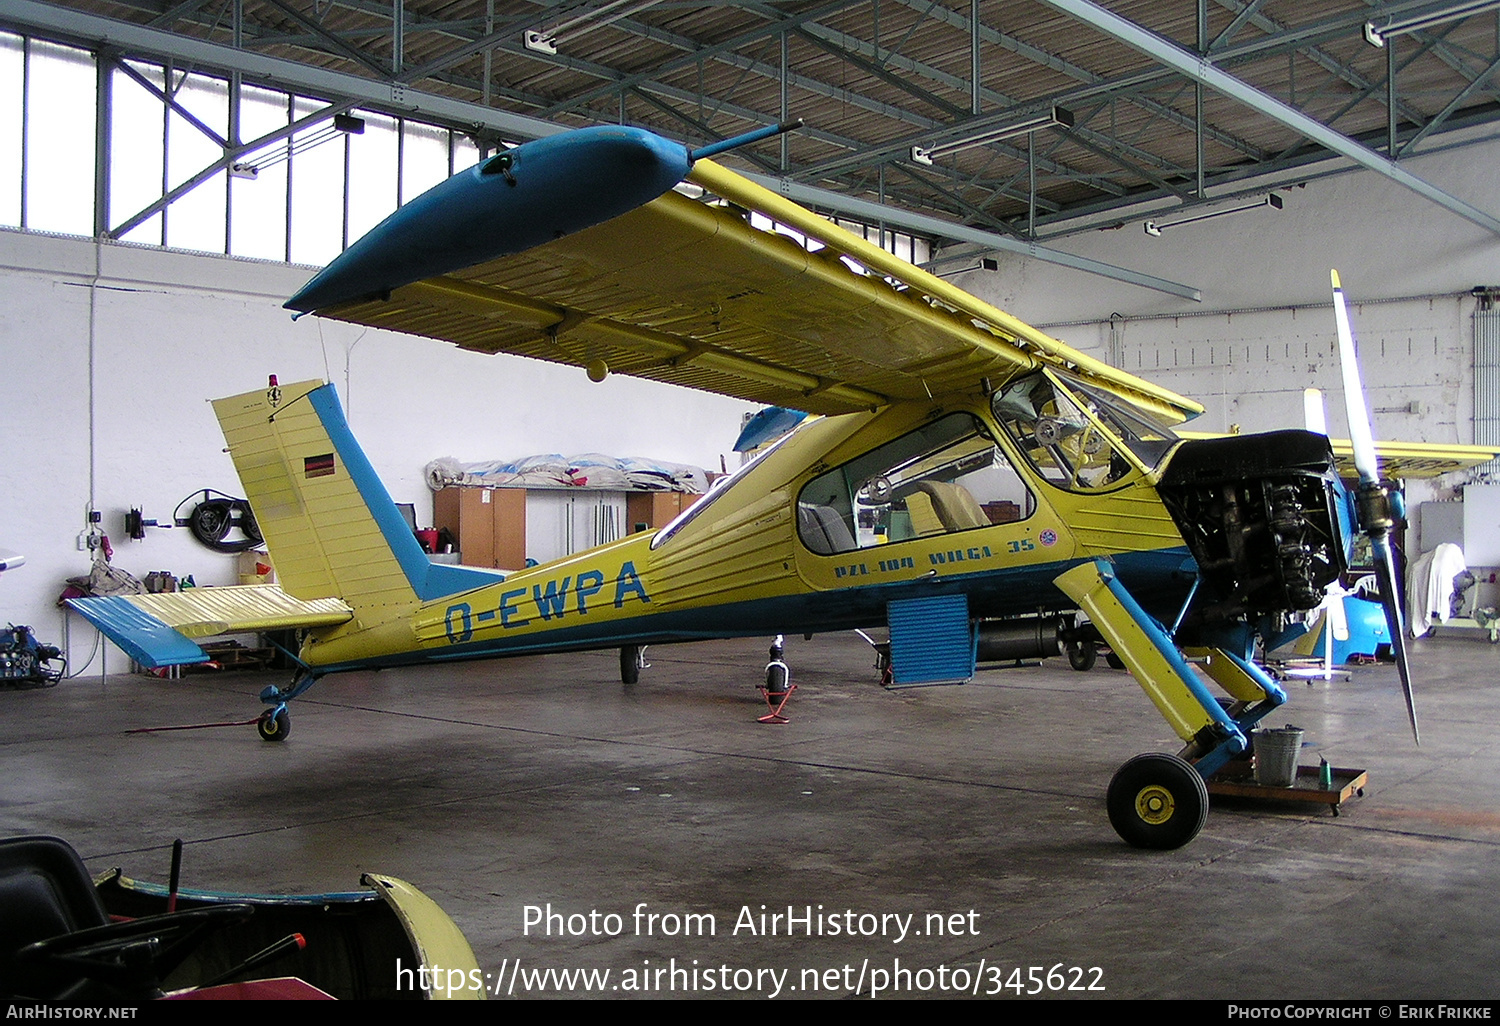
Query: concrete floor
(502, 785)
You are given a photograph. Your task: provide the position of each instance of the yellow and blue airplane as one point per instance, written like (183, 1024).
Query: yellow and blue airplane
(973, 484)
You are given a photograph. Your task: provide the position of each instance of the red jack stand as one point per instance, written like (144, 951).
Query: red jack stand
(778, 686)
(775, 702)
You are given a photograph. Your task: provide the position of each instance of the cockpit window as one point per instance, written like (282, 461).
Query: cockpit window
(1076, 436)
(945, 476)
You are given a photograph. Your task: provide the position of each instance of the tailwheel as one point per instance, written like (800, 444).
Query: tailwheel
(274, 724)
(1157, 801)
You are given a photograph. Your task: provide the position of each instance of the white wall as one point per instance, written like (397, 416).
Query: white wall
(164, 332)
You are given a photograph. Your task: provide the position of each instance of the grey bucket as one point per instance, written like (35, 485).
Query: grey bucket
(1276, 755)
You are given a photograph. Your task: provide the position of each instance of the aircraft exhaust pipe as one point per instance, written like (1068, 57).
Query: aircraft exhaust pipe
(1003, 641)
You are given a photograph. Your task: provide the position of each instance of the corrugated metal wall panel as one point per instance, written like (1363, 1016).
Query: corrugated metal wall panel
(1487, 381)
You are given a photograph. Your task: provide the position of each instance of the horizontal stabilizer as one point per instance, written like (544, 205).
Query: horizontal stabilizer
(158, 630)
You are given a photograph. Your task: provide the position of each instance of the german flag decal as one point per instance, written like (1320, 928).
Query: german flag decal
(318, 466)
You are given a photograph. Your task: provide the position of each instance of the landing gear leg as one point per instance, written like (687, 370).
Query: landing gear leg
(276, 722)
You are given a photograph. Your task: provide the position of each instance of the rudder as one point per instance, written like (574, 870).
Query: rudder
(330, 524)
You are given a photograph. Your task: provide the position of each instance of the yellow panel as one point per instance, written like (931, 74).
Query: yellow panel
(204, 612)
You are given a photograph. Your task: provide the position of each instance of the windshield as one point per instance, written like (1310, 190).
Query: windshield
(1079, 437)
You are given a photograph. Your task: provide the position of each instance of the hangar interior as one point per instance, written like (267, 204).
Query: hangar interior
(162, 193)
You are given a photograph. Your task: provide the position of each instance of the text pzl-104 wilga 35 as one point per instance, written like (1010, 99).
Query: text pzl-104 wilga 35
(967, 469)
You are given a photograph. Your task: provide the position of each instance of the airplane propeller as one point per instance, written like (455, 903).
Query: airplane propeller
(1374, 498)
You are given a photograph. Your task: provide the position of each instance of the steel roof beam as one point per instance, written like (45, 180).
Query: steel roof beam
(876, 213)
(1194, 67)
(1048, 60)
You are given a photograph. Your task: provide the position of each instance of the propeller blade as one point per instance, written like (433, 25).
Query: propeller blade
(1375, 517)
(1360, 434)
(1390, 598)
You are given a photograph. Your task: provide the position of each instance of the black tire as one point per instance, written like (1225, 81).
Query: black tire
(630, 664)
(274, 727)
(1114, 661)
(1157, 801)
(1081, 655)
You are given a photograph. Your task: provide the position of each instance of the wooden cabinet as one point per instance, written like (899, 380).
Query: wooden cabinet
(654, 509)
(489, 524)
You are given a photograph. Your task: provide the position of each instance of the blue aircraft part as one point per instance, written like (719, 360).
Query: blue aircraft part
(1232, 740)
(1368, 630)
(513, 201)
(428, 579)
(142, 636)
(274, 696)
(768, 424)
(932, 640)
(1346, 509)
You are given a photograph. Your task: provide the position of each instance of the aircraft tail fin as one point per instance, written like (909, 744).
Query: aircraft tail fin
(331, 526)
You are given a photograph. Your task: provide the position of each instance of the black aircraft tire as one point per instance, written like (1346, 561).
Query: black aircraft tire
(274, 728)
(630, 664)
(1157, 801)
(1081, 655)
(1114, 661)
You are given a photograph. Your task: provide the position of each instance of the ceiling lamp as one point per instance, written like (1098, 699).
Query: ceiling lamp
(546, 42)
(1272, 200)
(342, 124)
(1052, 117)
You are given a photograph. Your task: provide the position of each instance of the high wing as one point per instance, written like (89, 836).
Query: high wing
(159, 630)
(686, 291)
(1413, 459)
(1406, 460)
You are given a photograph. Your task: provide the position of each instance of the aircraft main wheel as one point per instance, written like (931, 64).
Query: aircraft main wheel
(630, 664)
(1114, 661)
(1081, 655)
(1157, 801)
(274, 727)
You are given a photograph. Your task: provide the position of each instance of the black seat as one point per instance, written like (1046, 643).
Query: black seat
(45, 891)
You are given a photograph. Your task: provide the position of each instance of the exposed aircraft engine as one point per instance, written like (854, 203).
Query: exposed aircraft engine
(1259, 513)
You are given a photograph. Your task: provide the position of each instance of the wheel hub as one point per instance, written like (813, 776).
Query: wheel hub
(1154, 804)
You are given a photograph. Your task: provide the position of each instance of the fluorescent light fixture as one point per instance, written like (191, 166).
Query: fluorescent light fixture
(546, 42)
(985, 264)
(1272, 200)
(1052, 117)
(342, 124)
(1375, 34)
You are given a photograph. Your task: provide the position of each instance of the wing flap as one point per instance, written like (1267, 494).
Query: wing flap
(159, 630)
